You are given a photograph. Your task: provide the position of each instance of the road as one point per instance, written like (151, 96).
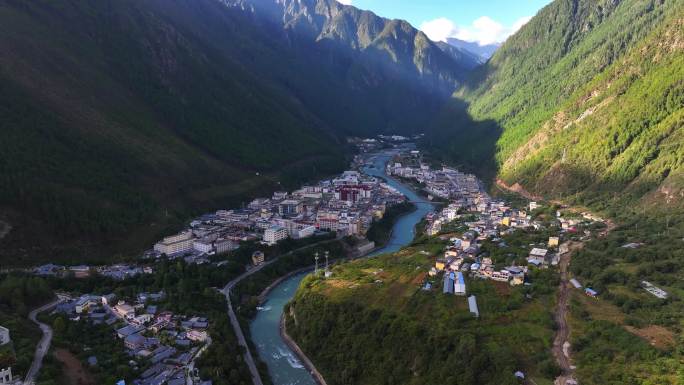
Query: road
(561, 342)
(249, 359)
(43, 345)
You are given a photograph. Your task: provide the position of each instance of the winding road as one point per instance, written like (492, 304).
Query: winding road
(44, 344)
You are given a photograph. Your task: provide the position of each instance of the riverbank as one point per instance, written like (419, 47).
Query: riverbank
(276, 286)
(300, 354)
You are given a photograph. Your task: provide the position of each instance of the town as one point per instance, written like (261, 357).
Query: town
(477, 218)
(163, 346)
(346, 205)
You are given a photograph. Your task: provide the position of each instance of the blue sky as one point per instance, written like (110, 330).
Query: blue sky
(484, 21)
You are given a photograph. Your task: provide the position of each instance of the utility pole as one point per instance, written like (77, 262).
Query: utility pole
(326, 262)
(316, 268)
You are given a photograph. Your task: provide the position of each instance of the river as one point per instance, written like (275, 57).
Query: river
(283, 365)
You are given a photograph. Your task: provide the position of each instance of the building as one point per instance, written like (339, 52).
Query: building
(4, 336)
(197, 335)
(305, 232)
(590, 292)
(224, 246)
(274, 234)
(124, 310)
(576, 283)
(257, 258)
(459, 284)
(553, 241)
(134, 341)
(537, 256)
(448, 283)
(6, 376)
(290, 207)
(472, 305)
(179, 243)
(85, 302)
(203, 246)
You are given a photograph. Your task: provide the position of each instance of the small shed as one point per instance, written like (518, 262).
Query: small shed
(590, 292)
(576, 283)
(472, 305)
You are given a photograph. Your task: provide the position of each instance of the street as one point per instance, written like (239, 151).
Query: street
(44, 344)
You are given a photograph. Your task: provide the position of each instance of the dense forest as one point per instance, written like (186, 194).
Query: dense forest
(373, 316)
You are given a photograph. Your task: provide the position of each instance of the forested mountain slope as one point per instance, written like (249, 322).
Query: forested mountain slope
(387, 75)
(120, 118)
(588, 99)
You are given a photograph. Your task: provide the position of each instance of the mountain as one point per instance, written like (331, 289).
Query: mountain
(484, 51)
(370, 60)
(120, 119)
(586, 102)
(461, 55)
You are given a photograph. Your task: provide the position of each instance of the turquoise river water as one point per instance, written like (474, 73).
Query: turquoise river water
(283, 365)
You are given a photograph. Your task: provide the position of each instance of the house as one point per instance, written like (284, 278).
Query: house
(537, 256)
(197, 335)
(134, 341)
(553, 241)
(124, 310)
(440, 264)
(86, 301)
(129, 330)
(590, 292)
(257, 258)
(576, 283)
(501, 276)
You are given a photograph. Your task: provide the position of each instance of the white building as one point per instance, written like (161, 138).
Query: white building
(203, 246)
(197, 335)
(224, 245)
(305, 232)
(4, 336)
(6, 376)
(175, 244)
(274, 234)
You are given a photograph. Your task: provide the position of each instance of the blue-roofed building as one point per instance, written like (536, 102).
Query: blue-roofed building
(459, 284)
(590, 292)
(448, 284)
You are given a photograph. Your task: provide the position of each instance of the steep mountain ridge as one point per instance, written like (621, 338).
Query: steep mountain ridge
(121, 118)
(578, 103)
(482, 51)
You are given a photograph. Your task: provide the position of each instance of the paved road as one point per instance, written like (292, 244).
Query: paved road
(249, 359)
(43, 345)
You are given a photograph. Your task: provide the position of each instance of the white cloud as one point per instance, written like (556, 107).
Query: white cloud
(483, 30)
(345, 2)
(438, 29)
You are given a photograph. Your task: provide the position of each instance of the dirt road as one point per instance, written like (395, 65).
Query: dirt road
(561, 342)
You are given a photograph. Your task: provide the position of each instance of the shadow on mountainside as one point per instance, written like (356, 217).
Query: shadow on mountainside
(454, 137)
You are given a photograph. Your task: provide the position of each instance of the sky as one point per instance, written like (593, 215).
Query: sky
(482, 21)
